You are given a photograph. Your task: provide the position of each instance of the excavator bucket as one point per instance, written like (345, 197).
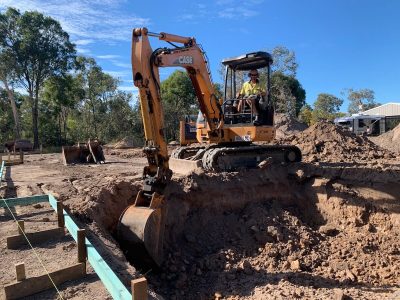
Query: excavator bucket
(91, 152)
(141, 229)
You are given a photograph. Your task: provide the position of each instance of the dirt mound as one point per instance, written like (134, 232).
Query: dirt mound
(318, 237)
(126, 153)
(286, 125)
(126, 143)
(389, 140)
(326, 142)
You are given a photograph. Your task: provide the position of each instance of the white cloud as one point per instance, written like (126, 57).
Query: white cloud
(113, 59)
(86, 19)
(119, 74)
(234, 12)
(122, 65)
(83, 50)
(83, 42)
(108, 56)
(238, 9)
(129, 89)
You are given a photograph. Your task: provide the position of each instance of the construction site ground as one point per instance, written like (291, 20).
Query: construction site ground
(326, 228)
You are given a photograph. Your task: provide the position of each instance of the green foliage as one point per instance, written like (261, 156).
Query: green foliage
(40, 48)
(179, 99)
(284, 61)
(287, 94)
(60, 95)
(327, 103)
(120, 120)
(326, 107)
(97, 89)
(6, 124)
(360, 100)
(306, 114)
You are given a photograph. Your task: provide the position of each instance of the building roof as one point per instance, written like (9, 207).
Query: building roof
(388, 109)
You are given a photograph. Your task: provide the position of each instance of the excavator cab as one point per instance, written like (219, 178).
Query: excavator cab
(236, 71)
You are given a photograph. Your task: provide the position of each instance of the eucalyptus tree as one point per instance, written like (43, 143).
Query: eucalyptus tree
(7, 67)
(179, 99)
(40, 48)
(360, 100)
(326, 106)
(60, 96)
(99, 87)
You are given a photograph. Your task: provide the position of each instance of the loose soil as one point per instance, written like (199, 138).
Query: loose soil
(389, 140)
(326, 228)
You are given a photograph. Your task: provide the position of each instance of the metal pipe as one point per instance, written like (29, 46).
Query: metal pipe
(154, 34)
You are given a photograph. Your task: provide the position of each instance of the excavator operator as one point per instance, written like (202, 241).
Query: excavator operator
(251, 93)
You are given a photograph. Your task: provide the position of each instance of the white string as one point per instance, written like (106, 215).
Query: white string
(34, 251)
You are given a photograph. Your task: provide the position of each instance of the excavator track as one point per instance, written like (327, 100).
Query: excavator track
(186, 152)
(222, 159)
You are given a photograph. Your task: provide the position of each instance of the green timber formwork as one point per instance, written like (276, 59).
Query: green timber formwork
(1, 171)
(112, 283)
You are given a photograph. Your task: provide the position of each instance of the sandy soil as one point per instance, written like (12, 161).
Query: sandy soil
(327, 228)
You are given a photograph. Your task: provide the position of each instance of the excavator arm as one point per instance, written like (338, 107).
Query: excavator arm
(141, 225)
(145, 67)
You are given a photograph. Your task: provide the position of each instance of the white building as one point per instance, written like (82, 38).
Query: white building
(374, 121)
(387, 110)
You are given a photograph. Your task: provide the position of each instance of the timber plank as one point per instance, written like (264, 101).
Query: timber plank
(16, 241)
(41, 283)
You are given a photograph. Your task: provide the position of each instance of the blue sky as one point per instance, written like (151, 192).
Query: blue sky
(338, 44)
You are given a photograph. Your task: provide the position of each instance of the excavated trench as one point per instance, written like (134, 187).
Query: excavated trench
(313, 226)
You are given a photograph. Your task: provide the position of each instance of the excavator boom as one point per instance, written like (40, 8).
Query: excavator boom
(143, 221)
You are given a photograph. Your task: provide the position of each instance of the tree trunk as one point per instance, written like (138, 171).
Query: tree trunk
(35, 131)
(17, 128)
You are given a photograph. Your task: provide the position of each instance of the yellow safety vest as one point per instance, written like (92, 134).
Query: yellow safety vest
(249, 88)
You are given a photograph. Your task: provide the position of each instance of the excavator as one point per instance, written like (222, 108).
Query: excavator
(226, 135)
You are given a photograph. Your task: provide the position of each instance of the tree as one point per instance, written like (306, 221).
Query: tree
(98, 88)
(60, 95)
(287, 94)
(120, 117)
(360, 100)
(284, 61)
(326, 107)
(41, 49)
(306, 114)
(7, 70)
(6, 126)
(327, 103)
(179, 99)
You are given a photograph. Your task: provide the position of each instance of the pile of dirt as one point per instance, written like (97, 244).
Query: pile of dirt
(326, 142)
(310, 244)
(286, 125)
(389, 140)
(126, 143)
(126, 153)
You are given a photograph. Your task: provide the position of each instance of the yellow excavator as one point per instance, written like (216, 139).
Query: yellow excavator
(228, 135)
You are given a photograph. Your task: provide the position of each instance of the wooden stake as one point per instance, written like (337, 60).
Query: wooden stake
(20, 270)
(60, 214)
(21, 227)
(81, 246)
(139, 289)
